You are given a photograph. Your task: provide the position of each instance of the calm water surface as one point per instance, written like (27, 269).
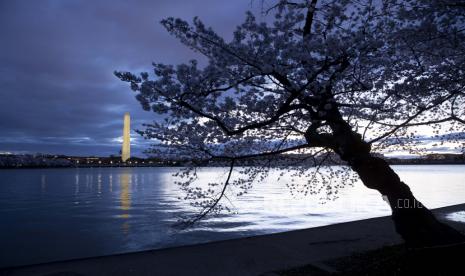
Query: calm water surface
(57, 214)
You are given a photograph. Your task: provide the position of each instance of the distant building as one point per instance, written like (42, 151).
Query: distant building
(126, 147)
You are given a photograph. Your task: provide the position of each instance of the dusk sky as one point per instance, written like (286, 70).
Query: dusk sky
(58, 91)
(57, 58)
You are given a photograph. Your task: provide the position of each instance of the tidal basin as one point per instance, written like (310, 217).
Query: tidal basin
(59, 214)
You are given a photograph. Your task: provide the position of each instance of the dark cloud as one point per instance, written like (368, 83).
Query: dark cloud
(58, 93)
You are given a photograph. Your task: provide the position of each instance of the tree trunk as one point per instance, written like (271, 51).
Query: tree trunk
(413, 221)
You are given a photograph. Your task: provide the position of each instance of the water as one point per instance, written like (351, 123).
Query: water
(56, 214)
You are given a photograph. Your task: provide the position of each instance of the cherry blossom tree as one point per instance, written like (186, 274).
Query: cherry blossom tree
(323, 79)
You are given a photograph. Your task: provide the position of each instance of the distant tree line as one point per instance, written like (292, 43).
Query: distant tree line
(306, 160)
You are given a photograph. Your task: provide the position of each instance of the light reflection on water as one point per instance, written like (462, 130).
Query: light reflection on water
(125, 181)
(457, 216)
(53, 214)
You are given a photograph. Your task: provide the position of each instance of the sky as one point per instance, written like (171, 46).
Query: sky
(57, 88)
(58, 94)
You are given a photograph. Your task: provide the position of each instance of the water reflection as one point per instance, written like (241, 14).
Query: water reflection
(87, 181)
(76, 184)
(76, 211)
(99, 183)
(125, 199)
(43, 183)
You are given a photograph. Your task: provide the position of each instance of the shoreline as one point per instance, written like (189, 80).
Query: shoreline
(245, 256)
(213, 166)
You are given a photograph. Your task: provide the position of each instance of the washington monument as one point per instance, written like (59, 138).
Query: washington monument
(126, 149)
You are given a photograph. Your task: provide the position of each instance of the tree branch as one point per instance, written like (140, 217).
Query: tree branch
(206, 211)
(408, 120)
(309, 19)
(286, 107)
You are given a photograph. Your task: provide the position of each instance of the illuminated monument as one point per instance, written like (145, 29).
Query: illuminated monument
(126, 150)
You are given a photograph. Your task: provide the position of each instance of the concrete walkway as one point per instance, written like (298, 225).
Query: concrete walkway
(247, 256)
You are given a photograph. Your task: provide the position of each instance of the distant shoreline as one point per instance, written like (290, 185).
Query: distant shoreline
(62, 161)
(416, 162)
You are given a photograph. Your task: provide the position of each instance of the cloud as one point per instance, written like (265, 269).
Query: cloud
(57, 60)
(58, 93)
